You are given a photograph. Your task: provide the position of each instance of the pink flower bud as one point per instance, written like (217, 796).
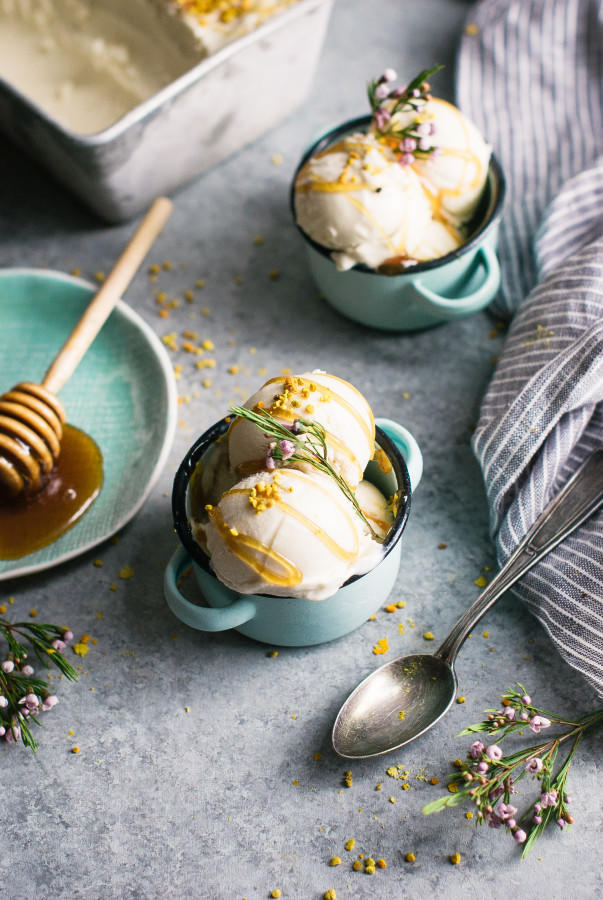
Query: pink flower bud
(520, 836)
(8, 666)
(27, 670)
(537, 723)
(494, 752)
(477, 748)
(526, 699)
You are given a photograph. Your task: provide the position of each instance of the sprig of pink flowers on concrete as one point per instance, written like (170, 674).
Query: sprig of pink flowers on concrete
(489, 778)
(23, 696)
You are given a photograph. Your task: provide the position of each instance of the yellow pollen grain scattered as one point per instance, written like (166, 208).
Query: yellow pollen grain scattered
(272, 654)
(154, 269)
(434, 780)
(460, 699)
(455, 859)
(258, 240)
(75, 749)
(85, 638)
(349, 845)
(207, 344)
(126, 572)
(469, 814)
(401, 604)
(381, 647)
(405, 787)
(33, 613)
(276, 894)
(453, 787)
(381, 864)
(481, 582)
(335, 861)
(98, 562)
(391, 608)
(429, 635)
(471, 29)
(80, 649)
(392, 799)
(234, 370)
(357, 865)
(410, 857)
(486, 634)
(2, 609)
(330, 894)
(277, 159)
(99, 276)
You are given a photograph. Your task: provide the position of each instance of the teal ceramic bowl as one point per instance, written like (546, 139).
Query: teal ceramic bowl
(430, 293)
(292, 621)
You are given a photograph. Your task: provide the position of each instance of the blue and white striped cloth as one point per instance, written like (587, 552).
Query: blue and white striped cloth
(529, 74)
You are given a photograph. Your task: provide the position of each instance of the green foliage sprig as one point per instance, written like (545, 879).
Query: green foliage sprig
(22, 695)
(302, 442)
(488, 778)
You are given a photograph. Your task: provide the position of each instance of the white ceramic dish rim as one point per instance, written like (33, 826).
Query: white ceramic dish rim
(160, 353)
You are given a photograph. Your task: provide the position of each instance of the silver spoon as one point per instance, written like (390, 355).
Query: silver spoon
(407, 696)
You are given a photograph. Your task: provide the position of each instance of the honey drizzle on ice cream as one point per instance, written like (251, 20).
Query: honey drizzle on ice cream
(470, 176)
(263, 496)
(287, 407)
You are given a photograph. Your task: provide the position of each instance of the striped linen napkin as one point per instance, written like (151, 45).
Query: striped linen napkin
(529, 75)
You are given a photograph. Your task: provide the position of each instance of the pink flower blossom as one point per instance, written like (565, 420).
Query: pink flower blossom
(477, 748)
(537, 723)
(494, 752)
(533, 766)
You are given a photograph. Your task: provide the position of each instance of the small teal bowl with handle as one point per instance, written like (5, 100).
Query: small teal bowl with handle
(292, 621)
(429, 293)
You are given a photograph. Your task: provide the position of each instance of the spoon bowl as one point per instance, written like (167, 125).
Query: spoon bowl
(407, 696)
(394, 705)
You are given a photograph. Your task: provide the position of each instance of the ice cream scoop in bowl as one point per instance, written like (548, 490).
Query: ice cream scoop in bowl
(399, 212)
(288, 539)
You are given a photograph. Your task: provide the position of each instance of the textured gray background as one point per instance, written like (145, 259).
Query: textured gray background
(227, 800)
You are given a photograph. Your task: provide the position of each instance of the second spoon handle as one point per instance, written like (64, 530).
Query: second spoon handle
(99, 309)
(575, 502)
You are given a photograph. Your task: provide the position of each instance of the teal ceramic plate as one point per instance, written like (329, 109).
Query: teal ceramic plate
(123, 394)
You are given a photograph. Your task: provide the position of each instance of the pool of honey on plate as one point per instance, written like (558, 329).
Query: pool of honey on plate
(28, 524)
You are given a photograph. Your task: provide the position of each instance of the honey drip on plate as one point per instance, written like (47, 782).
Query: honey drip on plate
(28, 524)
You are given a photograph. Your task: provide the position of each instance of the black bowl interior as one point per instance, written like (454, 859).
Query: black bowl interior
(486, 215)
(201, 445)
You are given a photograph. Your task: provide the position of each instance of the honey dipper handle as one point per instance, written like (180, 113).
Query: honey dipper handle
(99, 309)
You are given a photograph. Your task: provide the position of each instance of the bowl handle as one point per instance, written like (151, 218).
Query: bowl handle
(201, 617)
(407, 446)
(456, 308)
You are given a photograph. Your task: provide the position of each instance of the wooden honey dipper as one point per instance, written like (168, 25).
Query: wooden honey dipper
(31, 416)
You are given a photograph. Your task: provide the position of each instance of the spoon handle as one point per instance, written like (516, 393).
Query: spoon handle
(578, 499)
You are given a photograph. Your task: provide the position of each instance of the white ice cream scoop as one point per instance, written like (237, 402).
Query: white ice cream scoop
(316, 396)
(288, 533)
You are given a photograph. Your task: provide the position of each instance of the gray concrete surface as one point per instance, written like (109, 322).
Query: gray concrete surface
(227, 801)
